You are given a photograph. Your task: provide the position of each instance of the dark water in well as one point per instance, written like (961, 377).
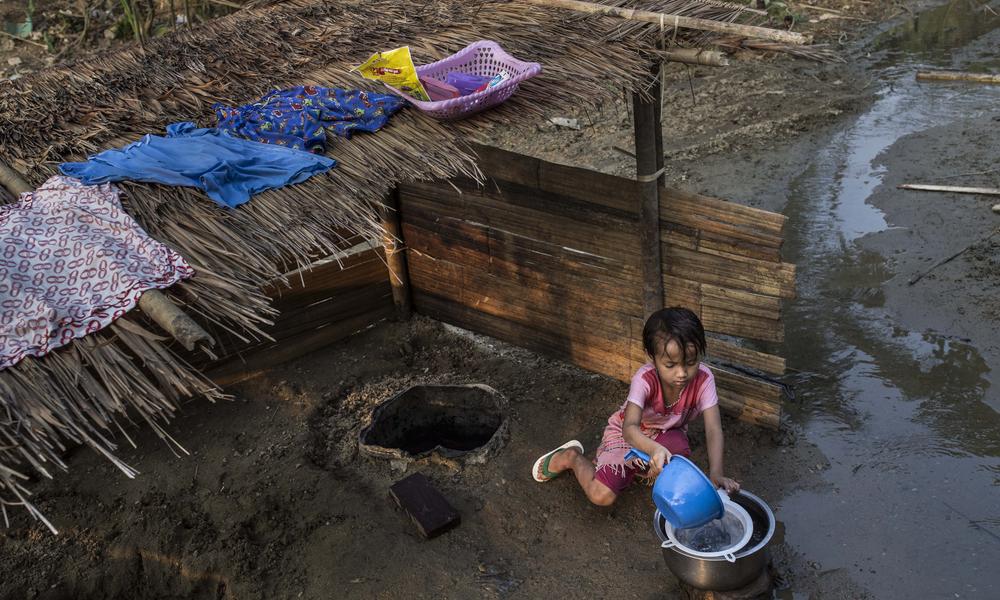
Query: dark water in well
(424, 417)
(453, 436)
(909, 506)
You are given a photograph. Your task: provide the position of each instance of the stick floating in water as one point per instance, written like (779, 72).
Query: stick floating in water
(958, 76)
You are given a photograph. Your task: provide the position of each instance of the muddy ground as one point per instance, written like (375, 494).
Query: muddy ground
(882, 477)
(275, 501)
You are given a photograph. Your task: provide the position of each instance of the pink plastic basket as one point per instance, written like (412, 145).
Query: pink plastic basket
(483, 58)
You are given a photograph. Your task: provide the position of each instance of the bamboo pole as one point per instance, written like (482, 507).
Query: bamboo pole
(954, 189)
(395, 255)
(173, 320)
(649, 173)
(157, 307)
(676, 21)
(696, 56)
(13, 181)
(957, 76)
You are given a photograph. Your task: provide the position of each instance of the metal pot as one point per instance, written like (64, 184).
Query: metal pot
(718, 574)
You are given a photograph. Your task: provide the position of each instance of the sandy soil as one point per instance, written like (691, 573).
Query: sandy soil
(275, 502)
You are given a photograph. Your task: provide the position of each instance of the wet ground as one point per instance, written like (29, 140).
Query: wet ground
(896, 388)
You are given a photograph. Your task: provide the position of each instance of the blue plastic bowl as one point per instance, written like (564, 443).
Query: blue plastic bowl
(684, 495)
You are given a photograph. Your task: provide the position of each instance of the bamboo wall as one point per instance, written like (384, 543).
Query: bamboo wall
(325, 304)
(547, 257)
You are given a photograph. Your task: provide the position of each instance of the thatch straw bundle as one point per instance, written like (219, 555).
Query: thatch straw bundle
(69, 112)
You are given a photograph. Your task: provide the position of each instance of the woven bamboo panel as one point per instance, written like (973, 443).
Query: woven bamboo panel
(547, 257)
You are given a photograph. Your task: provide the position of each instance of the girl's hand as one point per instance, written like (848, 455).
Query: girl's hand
(657, 460)
(730, 485)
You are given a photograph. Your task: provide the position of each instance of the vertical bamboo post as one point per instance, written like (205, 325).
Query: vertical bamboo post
(649, 174)
(395, 255)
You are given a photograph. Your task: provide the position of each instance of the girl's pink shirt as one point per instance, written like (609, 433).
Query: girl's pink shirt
(646, 393)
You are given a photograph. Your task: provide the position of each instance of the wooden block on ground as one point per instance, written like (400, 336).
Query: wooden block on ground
(430, 510)
(759, 589)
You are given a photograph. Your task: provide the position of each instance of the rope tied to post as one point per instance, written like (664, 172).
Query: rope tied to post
(650, 177)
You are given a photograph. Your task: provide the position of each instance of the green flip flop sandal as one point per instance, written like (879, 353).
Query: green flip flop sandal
(540, 470)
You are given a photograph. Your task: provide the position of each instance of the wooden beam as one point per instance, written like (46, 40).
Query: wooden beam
(395, 255)
(670, 21)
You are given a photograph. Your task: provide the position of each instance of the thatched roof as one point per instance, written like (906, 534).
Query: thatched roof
(69, 112)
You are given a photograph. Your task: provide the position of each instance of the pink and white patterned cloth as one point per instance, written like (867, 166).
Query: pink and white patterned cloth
(71, 262)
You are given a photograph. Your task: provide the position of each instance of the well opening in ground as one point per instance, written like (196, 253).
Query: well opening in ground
(448, 420)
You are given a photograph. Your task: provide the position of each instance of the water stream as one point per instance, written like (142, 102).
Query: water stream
(910, 503)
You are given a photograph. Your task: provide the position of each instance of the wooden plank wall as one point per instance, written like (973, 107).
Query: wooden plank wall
(547, 257)
(325, 304)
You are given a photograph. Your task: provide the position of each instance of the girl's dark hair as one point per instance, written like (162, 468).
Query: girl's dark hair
(677, 324)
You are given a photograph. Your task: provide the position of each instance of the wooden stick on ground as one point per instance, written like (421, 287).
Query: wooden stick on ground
(25, 40)
(951, 258)
(958, 76)
(954, 189)
(157, 306)
(672, 21)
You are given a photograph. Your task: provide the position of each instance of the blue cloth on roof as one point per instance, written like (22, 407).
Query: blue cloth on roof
(229, 169)
(298, 117)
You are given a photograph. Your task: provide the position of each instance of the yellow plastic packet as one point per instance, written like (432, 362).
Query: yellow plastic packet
(395, 68)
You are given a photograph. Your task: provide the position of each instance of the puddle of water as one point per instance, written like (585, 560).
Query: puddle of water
(911, 485)
(909, 503)
(859, 278)
(936, 33)
(850, 170)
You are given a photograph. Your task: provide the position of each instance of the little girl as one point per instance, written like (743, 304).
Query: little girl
(666, 394)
